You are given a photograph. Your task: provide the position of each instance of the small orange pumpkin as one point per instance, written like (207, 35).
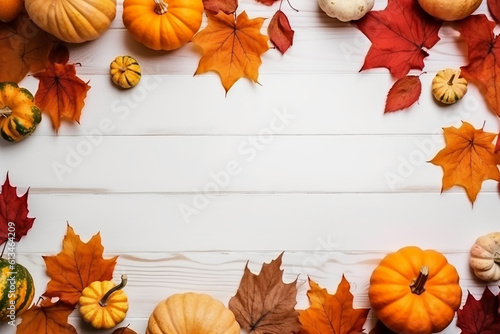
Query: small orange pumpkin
(162, 24)
(415, 291)
(10, 9)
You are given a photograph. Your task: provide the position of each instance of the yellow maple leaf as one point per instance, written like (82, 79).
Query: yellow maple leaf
(468, 159)
(232, 47)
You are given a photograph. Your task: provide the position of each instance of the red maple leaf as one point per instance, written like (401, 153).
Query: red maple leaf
(483, 68)
(480, 316)
(400, 35)
(14, 221)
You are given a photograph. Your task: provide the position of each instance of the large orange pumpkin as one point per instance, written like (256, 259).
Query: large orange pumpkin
(72, 21)
(415, 291)
(162, 24)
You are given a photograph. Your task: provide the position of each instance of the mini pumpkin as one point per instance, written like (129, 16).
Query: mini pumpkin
(125, 71)
(72, 21)
(194, 313)
(16, 290)
(450, 10)
(415, 291)
(448, 87)
(162, 24)
(19, 116)
(485, 257)
(10, 9)
(104, 304)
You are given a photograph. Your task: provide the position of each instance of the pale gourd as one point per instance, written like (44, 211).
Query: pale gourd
(485, 257)
(346, 10)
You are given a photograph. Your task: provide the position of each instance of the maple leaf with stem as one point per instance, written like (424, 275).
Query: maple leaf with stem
(76, 266)
(400, 34)
(61, 93)
(264, 304)
(47, 318)
(332, 314)
(468, 159)
(480, 316)
(13, 210)
(483, 56)
(232, 46)
(24, 49)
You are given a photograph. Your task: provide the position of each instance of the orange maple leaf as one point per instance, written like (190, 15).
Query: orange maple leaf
(61, 93)
(25, 48)
(468, 159)
(47, 318)
(331, 313)
(232, 47)
(76, 266)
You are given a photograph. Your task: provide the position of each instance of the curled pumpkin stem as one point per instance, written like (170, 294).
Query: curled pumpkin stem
(450, 82)
(161, 7)
(417, 285)
(120, 286)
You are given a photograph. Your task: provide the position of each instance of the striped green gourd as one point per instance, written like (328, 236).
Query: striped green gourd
(16, 290)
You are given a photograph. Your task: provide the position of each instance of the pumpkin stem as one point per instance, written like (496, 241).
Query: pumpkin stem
(5, 111)
(450, 82)
(120, 286)
(417, 285)
(161, 7)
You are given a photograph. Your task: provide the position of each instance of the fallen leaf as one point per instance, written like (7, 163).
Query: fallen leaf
(280, 32)
(61, 93)
(400, 34)
(264, 304)
(59, 54)
(76, 266)
(13, 210)
(332, 314)
(403, 93)
(483, 48)
(479, 316)
(226, 6)
(231, 47)
(267, 2)
(380, 328)
(494, 9)
(48, 318)
(468, 159)
(124, 330)
(25, 49)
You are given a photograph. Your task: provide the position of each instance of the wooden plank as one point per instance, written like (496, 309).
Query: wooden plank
(155, 276)
(261, 222)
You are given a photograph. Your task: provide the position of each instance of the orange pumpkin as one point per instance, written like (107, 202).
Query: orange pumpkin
(10, 9)
(415, 291)
(162, 25)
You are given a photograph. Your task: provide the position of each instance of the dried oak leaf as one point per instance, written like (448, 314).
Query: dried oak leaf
(231, 47)
(494, 9)
(483, 48)
(24, 49)
(226, 6)
(403, 93)
(468, 159)
(47, 318)
(280, 32)
(61, 93)
(13, 209)
(400, 35)
(76, 266)
(264, 304)
(479, 316)
(332, 314)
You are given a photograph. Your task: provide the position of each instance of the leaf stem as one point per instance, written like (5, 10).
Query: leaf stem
(3, 249)
(417, 285)
(120, 286)
(289, 4)
(161, 7)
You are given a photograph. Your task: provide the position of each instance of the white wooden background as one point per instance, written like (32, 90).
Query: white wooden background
(318, 170)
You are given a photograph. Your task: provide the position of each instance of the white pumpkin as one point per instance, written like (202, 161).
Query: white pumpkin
(346, 10)
(485, 257)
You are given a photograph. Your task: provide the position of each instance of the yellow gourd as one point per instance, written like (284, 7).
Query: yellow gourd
(448, 87)
(125, 71)
(193, 313)
(103, 304)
